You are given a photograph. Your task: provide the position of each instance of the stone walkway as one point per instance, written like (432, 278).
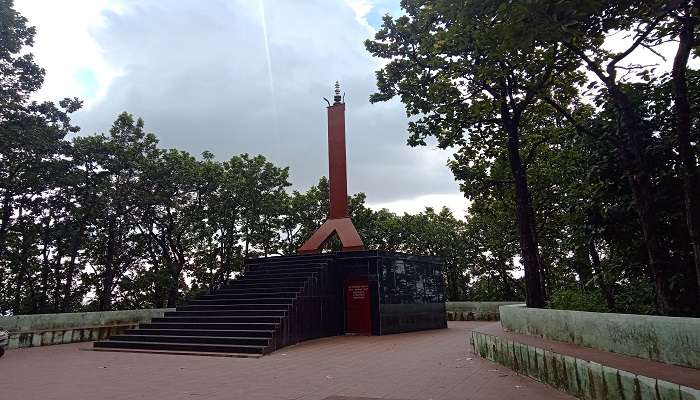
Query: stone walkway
(422, 365)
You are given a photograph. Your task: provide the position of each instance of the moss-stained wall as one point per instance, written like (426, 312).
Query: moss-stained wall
(47, 329)
(581, 378)
(667, 339)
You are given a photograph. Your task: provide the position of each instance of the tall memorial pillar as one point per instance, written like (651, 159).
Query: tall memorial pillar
(338, 222)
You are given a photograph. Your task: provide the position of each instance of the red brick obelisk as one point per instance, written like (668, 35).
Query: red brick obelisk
(338, 221)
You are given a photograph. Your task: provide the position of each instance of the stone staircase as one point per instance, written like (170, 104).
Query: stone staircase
(276, 302)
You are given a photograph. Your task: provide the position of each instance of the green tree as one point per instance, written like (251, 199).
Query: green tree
(684, 26)
(32, 155)
(170, 210)
(581, 28)
(259, 187)
(114, 249)
(470, 80)
(20, 76)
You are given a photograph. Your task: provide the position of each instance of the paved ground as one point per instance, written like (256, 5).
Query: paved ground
(423, 365)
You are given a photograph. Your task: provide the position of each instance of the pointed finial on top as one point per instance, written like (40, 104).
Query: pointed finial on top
(337, 99)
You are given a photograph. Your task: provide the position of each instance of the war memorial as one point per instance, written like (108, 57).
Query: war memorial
(278, 301)
(573, 132)
(366, 309)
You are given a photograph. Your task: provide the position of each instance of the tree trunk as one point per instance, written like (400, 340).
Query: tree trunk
(45, 266)
(70, 269)
(640, 181)
(582, 264)
(76, 245)
(600, 275)
(247, 233)
(175, 266)
(23, 268)
(5, 220)
(173, 287)
(686, 154)
(57, 279)
(526, 219)
(507, 289)
(105, 295)
(634, 160)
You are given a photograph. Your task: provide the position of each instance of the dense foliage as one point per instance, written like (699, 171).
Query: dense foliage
(581, 170)
(579, 161)
(114, 221)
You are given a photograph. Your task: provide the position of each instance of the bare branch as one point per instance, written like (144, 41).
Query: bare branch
(591, 64)
(533, 150)
(633, 67)
(651, 49)
(567, 115)
(641, 37)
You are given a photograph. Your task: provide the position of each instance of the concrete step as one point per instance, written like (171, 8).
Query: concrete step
(251, 294)
(220, 319)
(243, 317)
(211, 325)
(271, 279)
(276, 274)
(263, 290)
(232, 313)
(232, 307)
(247, 300)
(240, 284)
(231, 340)
(284, 269)
(201, 332)
(177, 352)
(200, 347)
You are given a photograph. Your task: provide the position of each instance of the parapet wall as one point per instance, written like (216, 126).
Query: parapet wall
(475, 310)
(667, 339)
(48, 329)
(577, 376)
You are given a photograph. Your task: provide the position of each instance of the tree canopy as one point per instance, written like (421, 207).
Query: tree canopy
(592, 158)
(580, 170)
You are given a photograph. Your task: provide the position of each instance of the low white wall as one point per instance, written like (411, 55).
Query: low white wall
(47, 329)
(667, 339)
(474, 310)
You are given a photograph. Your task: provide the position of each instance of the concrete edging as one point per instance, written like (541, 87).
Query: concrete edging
(475, 310)
(62, 328)
(581, 378)
(670, 340)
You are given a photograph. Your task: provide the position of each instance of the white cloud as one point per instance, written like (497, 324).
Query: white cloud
(361, 8)
(64, 46)
(201, 75)
(455, 202)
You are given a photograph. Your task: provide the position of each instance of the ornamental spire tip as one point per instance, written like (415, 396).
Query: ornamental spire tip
(337, 99)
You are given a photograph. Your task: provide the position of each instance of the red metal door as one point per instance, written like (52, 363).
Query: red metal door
(357, 307)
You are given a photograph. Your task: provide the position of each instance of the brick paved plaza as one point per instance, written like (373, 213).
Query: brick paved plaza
(423, 365)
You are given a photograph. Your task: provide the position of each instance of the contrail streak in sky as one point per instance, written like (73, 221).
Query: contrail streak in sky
(269, 59)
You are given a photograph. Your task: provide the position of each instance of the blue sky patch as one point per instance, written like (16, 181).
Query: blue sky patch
(381, 8)
(88, 82)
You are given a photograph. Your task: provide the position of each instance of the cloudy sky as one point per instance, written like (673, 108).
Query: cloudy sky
(241, 76)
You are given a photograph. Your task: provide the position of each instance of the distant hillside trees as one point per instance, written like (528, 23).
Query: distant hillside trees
(114, 221)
